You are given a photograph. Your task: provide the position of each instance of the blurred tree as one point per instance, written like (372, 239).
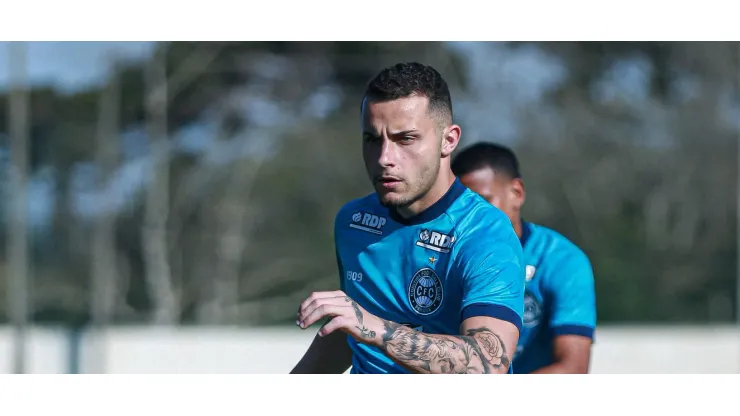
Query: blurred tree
(631, 155)
(257, 159)
(645, 184)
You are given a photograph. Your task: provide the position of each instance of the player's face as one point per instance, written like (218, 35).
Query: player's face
(501, 191)
(402, 148)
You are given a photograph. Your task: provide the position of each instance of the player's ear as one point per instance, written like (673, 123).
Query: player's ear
(518, 192)
(450, 139)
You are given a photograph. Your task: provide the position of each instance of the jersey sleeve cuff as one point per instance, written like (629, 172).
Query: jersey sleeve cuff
(582, 330)
(491, 310)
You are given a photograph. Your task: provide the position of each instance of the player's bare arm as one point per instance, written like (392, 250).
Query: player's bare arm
(482, 347)
(572, 354)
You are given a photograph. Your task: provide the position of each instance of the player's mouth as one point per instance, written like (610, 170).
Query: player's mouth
(388, 182)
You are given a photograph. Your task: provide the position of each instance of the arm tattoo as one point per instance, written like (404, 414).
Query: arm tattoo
(478, 351)
(358, 313)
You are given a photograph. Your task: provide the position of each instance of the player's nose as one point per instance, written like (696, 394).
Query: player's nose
(387, 156)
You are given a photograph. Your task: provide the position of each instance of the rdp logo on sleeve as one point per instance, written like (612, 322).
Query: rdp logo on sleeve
(367, 222)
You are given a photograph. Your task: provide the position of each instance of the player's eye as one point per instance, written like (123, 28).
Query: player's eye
(407, 139)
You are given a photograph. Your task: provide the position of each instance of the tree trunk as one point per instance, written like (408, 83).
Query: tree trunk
(154, 234)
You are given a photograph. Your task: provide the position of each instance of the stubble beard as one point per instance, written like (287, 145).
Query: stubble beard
(425, 180)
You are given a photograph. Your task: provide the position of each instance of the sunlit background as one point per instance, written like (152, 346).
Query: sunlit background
(166, 206)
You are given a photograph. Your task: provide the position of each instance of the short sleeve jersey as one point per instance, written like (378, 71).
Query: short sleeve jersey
(458, 259)
(559, 297)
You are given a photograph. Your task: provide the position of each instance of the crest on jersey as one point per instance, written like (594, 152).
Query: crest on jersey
(532, 311)
(367, 222)
(530, 272)
(425, 292)
(434, 240)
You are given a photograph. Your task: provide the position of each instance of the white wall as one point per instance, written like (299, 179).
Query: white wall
(244, 350)
(47, 351)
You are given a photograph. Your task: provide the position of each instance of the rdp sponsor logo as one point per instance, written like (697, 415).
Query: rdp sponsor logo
(367, 222)
(434, 240)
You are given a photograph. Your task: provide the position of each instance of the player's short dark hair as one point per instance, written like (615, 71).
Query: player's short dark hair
(500, 159)
(406, 79)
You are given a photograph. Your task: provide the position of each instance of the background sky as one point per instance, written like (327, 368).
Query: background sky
(71, 66)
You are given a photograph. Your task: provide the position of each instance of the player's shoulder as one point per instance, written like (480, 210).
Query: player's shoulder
(485, 239)
(365, 213)
(557, 252)
(365, 204)
(476, 219)
(555, 244)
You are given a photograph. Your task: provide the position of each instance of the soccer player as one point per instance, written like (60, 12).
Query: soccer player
(559, 301)
(432, 276)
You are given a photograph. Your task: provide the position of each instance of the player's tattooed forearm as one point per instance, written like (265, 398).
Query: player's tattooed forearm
(358, 313)
(478, 351)
(492, 347)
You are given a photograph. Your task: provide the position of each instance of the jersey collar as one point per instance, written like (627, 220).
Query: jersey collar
(434, 211)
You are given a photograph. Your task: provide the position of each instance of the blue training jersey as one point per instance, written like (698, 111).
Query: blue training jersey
(559, 297)
(458, 259)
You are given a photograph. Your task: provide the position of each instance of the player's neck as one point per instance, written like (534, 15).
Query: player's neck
(516, 221)
(438, 190)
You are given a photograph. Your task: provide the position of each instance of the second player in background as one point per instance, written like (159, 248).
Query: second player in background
(559, 302)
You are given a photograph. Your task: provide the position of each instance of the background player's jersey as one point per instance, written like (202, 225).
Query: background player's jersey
(559, 297)
(457, 259)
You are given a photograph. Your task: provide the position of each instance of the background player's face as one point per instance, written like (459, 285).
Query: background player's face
(402, 149)
(500, 190)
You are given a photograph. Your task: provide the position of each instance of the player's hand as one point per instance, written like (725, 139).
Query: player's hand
(345, 314)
